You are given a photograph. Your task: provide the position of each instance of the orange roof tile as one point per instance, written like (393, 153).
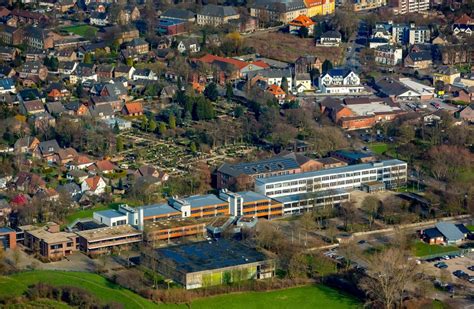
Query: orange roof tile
(239, 64)
(302, 21)
(275, 90)
(311, 3)
(93, 182)
(134, 108)
(464, 20)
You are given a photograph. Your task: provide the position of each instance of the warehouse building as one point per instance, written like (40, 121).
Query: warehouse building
(209, 263)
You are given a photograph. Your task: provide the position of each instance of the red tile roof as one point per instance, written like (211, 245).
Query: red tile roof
(302, 21)
(464, 20)
(239, 64)
(134, 108)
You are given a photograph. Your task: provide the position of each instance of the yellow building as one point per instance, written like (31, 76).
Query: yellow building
(315, 7)
(329, 6)
(446, 74)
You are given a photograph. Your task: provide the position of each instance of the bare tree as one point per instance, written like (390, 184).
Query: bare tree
(389, 273)
(371, 205)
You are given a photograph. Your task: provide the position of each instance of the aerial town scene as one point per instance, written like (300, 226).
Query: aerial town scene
(237, 154)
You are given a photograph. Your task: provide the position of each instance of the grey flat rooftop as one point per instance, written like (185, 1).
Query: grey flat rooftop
(204, 200)
(158, 209)
(372, 108)
(110, 213)
(250, 196)
(208, 255)
(329, 171)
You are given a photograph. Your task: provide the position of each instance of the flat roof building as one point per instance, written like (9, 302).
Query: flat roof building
(392, 172)
(209, 263)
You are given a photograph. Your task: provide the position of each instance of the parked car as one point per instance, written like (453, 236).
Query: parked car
(441, 265)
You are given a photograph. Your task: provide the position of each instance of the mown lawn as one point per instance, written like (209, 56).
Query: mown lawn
(85, 213)
(82, 30)
(423, 249)
(470, 227)
(300, 297)
(378, 148)
(17, 284)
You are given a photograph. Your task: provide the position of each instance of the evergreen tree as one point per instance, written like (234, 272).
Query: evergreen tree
(193, 147)
(162, 128)
(172, 122)
(327, 65)
(116, 128)
(284, 84)
(152, 125)
(229, 92)
(119, 144)
(144, 123)
(88, 58)
(211, 92)
(303, 32)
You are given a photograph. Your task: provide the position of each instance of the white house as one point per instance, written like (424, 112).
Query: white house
(144, 74)
(302, 82)
(94, 185)
(340, 81)
(190, 45)
(99, 19)
(330, 38)
(274, 76)
(388, 55)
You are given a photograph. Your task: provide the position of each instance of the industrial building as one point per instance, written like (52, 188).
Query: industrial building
(208, 263)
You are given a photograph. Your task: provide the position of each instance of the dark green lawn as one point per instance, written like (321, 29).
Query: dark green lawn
(421, 249)
(378, 148)
(86, 31)
(300, 297)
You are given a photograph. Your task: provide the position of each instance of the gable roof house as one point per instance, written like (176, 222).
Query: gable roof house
(464, 25)
(26, 144)
(133, 109)
(33, 69)
(189, 45)
(47, 150)
(55, 108)
(340, 81)
(144, 74)
(99, 19)
(103, 167)
(94, 185)
(102, 111)
(105, 71)
(330, 38)
(31, 107)
(7, 85)
(57, 92)
(76, 108)
(418, 60)
(122, 70)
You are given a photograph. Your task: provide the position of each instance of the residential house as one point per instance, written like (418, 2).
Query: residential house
(404, 89)
(150, 174)
(330, 38)
(103, 111)
(168, 92)
(168, 26)
(365, 5)
(340, 81)
(216, 15)
(446, 74)
(38, 38)
(55, 109)
(7, 85)
(302, 82)
(66, 55)
(31, 107)
(102, 167)
(47, 150)
(307, 64)
(402, 7)
(26, 144)
(99, 19)
(189, 45)
(33, 69)
(276, 92)
(8, 53)
(94, 185)
(71, 189)
(67, 68)
(76, 109)
(418, 60)
(83, 72)
(299, 22)
(138, 47)
(274, 77)
(388, 55)
(419, 34)
(11, 35)
(80, 162)
(467, 113)
(115, 102)
(57, 92)
(105, 71)
(464, 25)
(144, 74)
(29, 17)
(133, 109)
(244, 24)
(66, 155)
(124, 71)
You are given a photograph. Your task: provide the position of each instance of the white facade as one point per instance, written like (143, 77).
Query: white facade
(110, 217)
(419, 35)
(339, 81)
(392, 172)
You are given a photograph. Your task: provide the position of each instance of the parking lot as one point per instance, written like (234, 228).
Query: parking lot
(453, 264)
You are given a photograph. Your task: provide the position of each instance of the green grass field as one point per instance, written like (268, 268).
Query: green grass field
(299, 297)
(424, 249)
(82, 30)
(470, 227)
(86, 213)
(378, 148)
(17, 284)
